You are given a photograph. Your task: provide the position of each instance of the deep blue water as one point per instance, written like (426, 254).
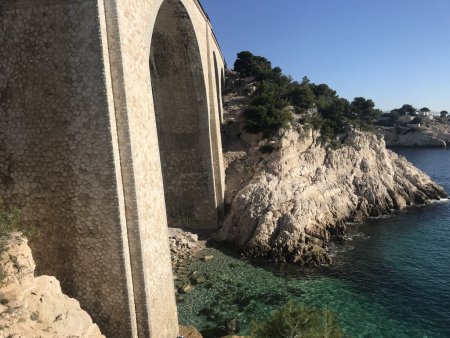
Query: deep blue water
(390, 279)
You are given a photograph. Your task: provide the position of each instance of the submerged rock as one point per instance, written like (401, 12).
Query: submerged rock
(189, 332)
(186, 288)
(207, 258)
(35, 306)
(287, 205)
(198, 280)
(232, 326)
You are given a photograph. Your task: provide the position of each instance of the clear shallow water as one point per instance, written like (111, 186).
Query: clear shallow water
(391, 279)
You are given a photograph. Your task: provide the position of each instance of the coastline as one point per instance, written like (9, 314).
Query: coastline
(295, 200)
(400, 255)
(436, 136)
(289, 195)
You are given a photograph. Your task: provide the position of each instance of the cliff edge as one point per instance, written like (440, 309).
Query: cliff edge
(35, 306)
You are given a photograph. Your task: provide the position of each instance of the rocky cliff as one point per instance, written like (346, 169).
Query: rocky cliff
(288, 204)
(35, 306)
(437, 135)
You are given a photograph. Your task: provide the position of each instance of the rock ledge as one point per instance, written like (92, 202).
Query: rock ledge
(35, 306)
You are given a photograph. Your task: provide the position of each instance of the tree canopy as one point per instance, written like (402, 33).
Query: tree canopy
(248, 64)
(268, 111)
(364, 112)
(407, 109)
(316, 105)
(302, 96)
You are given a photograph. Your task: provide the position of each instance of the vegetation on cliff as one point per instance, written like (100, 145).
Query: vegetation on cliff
(408, 114)
(9, 222)
(315, 105)
(411, 127)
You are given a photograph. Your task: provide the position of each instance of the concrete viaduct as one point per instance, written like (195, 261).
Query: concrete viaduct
(110, 130)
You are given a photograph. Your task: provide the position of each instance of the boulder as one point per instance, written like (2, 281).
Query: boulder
(189, 332)
(35, 306)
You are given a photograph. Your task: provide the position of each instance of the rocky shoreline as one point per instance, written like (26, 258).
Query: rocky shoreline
(183, 244)
(288, 203)
(437, 136)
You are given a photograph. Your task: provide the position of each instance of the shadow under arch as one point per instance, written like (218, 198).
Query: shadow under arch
(182, 118)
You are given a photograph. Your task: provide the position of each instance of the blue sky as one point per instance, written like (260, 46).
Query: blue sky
(392, 51)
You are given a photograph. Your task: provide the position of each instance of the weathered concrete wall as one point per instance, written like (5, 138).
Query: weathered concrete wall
(79, 149)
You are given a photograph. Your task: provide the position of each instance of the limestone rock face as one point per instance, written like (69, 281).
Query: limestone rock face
(407, 137)
(35, 306)
(287, 205)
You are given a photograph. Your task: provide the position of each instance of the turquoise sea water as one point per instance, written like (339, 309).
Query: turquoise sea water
(390, 279)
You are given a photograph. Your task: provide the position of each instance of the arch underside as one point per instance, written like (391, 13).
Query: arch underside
(181, 109)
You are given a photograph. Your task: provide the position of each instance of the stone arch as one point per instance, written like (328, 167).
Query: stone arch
(182, 117)
(218, 91)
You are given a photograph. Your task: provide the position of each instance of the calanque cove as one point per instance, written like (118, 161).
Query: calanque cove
(112, 189)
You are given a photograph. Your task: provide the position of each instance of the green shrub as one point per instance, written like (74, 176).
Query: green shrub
(9, 223)
(302, 97)
(268, 111)
(296, 321)
(363, 113)
(417, 120)
(266, 119)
